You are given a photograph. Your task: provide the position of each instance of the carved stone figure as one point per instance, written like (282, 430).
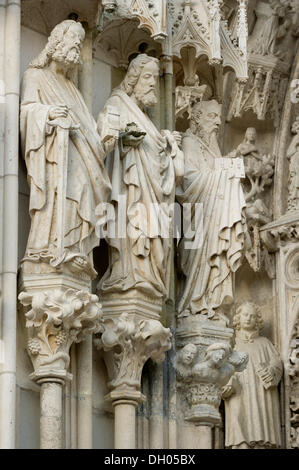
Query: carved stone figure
(252, 413)
(219, 364)
(272, 29)
(64, 156)
(215, 183)
(143, 169)
(293, 157)
(184, 361)
(259, 170)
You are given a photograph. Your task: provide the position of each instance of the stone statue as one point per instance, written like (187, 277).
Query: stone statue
(293, 157)
(219, 364)
(215, 183)
(259, 171)
(252, 416)
(248, 147)
(272, 29)
(143, 168)
(184, 361)
(64, 156)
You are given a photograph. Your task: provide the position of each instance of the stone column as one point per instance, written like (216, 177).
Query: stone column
(282, 237)
(156, 422)
(56, 317)
(128, 342)
(168, 81)
(125, 420)
(10, 219)
(51, 414)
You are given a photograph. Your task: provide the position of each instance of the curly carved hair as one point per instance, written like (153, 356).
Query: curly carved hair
(134, 71)
(218, 347)
(54, 39)
(259, 319)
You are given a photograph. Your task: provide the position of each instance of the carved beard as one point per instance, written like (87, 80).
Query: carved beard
(66, 55)
(206, 134)
(147, 99)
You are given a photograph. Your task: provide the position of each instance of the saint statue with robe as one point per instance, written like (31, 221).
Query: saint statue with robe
(252, 412)
(212, 183)
(143, 168)
(63, 154)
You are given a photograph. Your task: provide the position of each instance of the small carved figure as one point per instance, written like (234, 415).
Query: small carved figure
(252, 414)
(184, 361)
(259, 170)
(293, 157)
(220, 363)
(272, 29)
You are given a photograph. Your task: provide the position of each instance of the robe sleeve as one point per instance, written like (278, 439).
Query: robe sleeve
(176, 154)
(34, 128)
(275, 364)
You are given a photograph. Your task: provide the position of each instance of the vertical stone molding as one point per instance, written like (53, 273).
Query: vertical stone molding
(293, 373)
(128, 343)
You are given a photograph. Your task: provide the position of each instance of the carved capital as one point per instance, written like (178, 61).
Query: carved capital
(55, 319)
(128, 343)
(201, 374)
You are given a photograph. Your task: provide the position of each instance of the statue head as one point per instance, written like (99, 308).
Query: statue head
(248, 317)
(217, 353)
(141, 80)
(206, 118)
(188, 353)
(251, 135)
(63, 46)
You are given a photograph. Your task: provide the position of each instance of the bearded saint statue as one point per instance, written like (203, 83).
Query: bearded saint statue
(143, 168)
(214, 183)
(56, 123)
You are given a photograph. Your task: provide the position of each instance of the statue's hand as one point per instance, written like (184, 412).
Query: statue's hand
(227, 391)
(58, 112)
(178, 138)
(131, 139)
(267, 376)
(110, 144)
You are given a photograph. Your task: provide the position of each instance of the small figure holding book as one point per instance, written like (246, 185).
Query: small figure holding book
(252, 418)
